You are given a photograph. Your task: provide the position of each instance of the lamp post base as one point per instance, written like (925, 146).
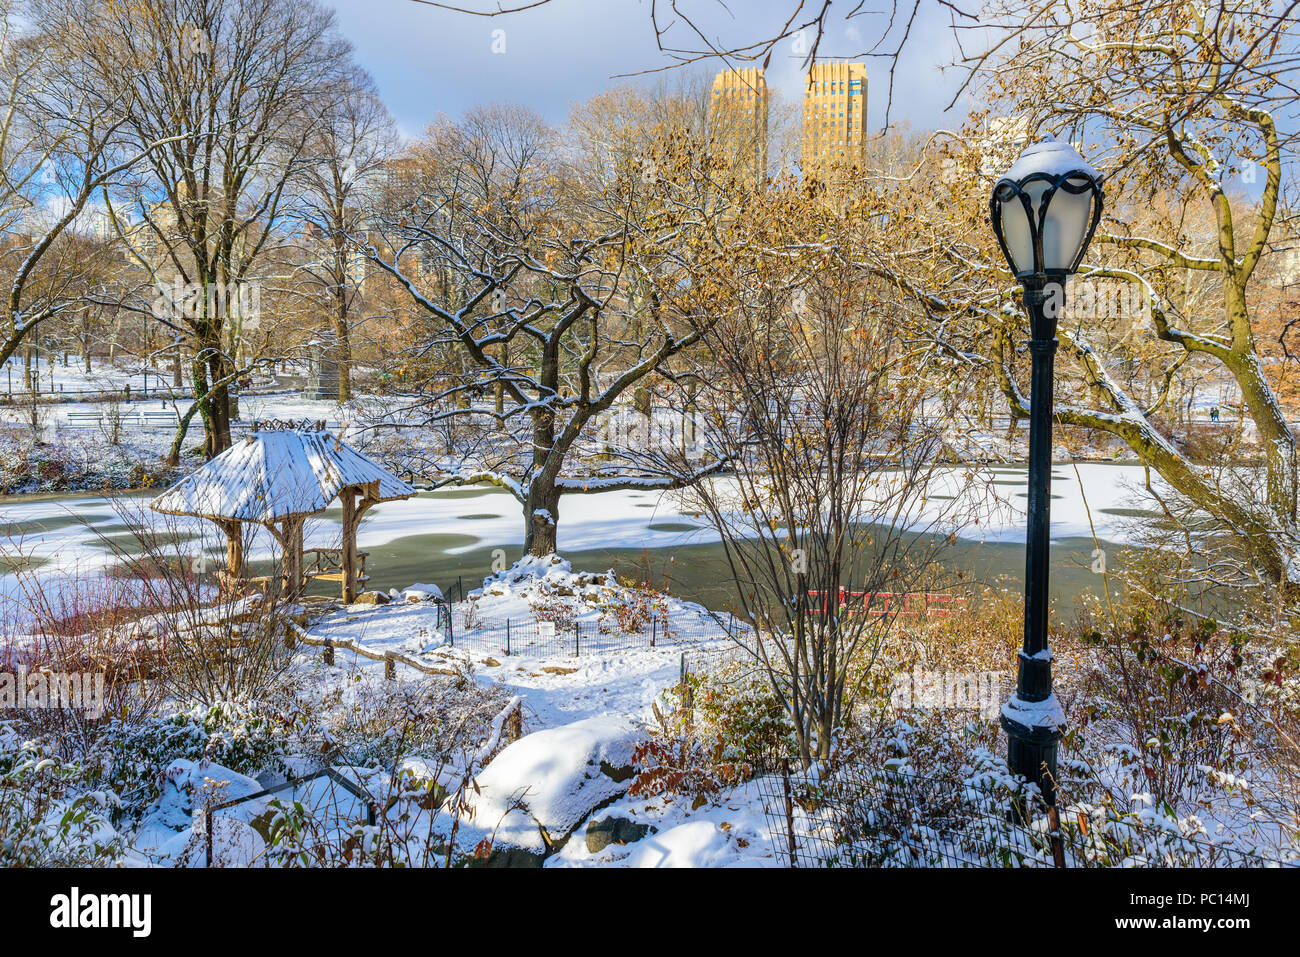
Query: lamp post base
(1031, 754)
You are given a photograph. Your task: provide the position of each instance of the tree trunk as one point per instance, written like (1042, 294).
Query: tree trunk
(199, 383)
(541, 516)
(182, 428)
(343, 348)
(219, 412)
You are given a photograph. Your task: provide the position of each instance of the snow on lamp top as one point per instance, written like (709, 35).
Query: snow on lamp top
(1045, 208)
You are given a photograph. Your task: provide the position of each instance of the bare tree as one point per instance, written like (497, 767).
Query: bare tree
(1182, 102)
(237, 89)
(60, 144)
(837, 502)
(563, 293)
(355, 140)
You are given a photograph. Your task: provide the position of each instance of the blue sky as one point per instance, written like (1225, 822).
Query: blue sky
(428, 60)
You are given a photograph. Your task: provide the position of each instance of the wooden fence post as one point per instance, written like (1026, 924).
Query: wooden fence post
(1054, 829)
(390, 666)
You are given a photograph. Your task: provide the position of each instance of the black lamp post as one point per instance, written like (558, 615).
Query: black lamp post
(1044, 211)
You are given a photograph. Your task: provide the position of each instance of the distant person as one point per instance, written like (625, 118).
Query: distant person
(1214, 415)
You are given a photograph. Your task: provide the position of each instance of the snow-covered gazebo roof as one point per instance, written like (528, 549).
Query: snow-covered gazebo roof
(274, 475)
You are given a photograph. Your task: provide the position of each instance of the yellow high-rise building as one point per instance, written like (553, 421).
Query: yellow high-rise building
(738, 118)
(834, 117)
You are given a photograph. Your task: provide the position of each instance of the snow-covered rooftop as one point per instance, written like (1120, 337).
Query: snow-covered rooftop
(270, 476)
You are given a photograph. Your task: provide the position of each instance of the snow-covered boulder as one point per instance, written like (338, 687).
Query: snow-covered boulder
(172, 828)
(541, 787)
(420, 592)
(185, 779)
(511, 592)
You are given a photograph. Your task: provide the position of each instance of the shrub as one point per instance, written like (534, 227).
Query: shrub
(370, 723)
(635, 605)
(133, 757)
(1164, 689)
(546, 605)
(721, 728)
(50, 814)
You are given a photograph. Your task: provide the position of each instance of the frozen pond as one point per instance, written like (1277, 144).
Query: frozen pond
(440, 536)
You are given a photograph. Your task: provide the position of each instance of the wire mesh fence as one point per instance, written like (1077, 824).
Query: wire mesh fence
(540, 638)
(860, 817)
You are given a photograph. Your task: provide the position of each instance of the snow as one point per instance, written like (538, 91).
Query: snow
(694, 844)
(421, 592)
(732, 830)
(173, 824)
(540, 787)
(1050, 156)
(273, 475)
(626, 679)
(588, 521)
(1047, 713)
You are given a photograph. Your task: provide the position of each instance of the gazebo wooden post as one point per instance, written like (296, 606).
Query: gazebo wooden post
(298, 523)
(290, 536)
(350, 520)
(368, 496)
(234, 548)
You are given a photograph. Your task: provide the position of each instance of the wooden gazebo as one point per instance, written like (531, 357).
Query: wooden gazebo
(279, 476)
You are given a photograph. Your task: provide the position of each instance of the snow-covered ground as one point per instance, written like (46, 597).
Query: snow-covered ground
(72, 377)
(556, 689)
(582, 716)
(573, 706)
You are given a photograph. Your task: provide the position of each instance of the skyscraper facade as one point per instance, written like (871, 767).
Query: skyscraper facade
(738, 118)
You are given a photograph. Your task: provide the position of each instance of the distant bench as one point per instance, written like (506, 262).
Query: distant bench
(160, 418)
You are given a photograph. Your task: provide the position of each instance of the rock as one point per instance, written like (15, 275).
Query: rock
(613, 830)
(619, 773)
(172, 829)
(422, 592)
(511, 857)
(538, 790)
(372, 598)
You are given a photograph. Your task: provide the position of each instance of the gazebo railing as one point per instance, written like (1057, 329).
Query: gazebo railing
(326, 564)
